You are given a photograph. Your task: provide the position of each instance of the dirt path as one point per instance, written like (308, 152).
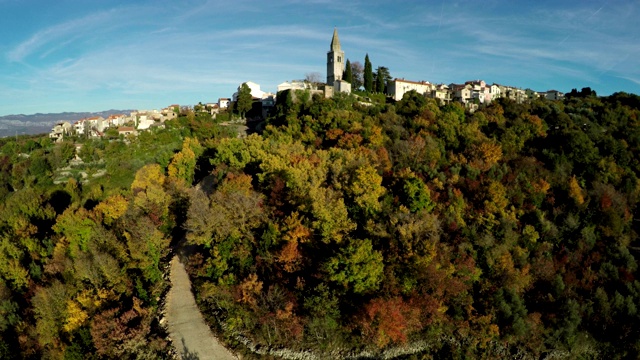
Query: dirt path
(191, 335)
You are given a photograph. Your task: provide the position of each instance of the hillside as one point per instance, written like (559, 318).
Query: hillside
(413, 228)
(344, 229)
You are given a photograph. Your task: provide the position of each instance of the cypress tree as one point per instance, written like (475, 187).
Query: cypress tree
(368, 74)
(348, 73)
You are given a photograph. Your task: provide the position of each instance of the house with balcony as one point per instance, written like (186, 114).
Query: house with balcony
(441, 93)
(461, 93)
(60, 130)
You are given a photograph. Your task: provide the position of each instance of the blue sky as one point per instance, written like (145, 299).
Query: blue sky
(95, 55)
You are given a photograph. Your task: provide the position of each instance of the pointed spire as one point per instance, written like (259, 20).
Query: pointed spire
(335, 42)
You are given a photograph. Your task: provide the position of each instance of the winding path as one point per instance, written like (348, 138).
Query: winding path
(191, 336)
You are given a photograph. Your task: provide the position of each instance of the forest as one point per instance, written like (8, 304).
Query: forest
(342, 226)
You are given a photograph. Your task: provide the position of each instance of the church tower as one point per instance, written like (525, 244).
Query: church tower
(335, 60)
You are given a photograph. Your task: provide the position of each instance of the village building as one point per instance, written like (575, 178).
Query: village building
(223, 103)
(127, 130)
(60, 130)
(396, 88)
(441, 93)
(554, 95)
(297, 85)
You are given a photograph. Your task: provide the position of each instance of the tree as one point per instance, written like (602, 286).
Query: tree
(313, 77)
(357, 71)
(357, 267)
(382, 76)
(348, 73)
(411, 104)
(368, 75)
(366, 188)
(245, 101)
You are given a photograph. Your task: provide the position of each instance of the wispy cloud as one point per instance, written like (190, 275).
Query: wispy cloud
(57, 34)
(204, 48)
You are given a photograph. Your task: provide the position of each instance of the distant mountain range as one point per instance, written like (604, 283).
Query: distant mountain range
(12, 125)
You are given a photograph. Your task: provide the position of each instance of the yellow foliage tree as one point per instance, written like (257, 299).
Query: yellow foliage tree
(112, 208)
(487, 154)
(575, 191)
(76, 316)
(182, 166)
(150, 196)
(294, 232)
(366, 188)
(183, 163)
(331, 216)
(249, 289)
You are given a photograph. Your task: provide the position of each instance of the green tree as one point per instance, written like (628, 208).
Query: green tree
(368, 75)
(411, 104)
(357, 267)
(348, 73)
(245, 100)
(382, 76)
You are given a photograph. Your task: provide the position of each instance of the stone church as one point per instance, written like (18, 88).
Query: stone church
(335, 68)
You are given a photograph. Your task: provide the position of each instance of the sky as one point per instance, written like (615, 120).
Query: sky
(95, 55)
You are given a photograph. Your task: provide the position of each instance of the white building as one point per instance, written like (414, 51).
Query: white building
(342, 86)
(60, 130)
(116, 120)
(396, 88)
(442, 93)
(144, 122)
(255, 91)
(495, 92)
(296, 85)
(480, 91)
(223, 103)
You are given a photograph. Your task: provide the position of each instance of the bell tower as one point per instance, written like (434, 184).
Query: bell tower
(335, 60)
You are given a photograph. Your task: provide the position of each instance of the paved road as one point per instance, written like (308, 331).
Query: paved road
(191, 335)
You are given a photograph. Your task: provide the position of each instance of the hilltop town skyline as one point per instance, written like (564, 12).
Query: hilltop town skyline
(140, 55)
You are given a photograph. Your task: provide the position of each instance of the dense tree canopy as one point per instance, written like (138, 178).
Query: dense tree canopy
(510, 229)
(83, 247)
(341, 228)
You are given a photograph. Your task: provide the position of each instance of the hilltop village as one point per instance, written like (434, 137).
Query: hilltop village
(472, 94)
